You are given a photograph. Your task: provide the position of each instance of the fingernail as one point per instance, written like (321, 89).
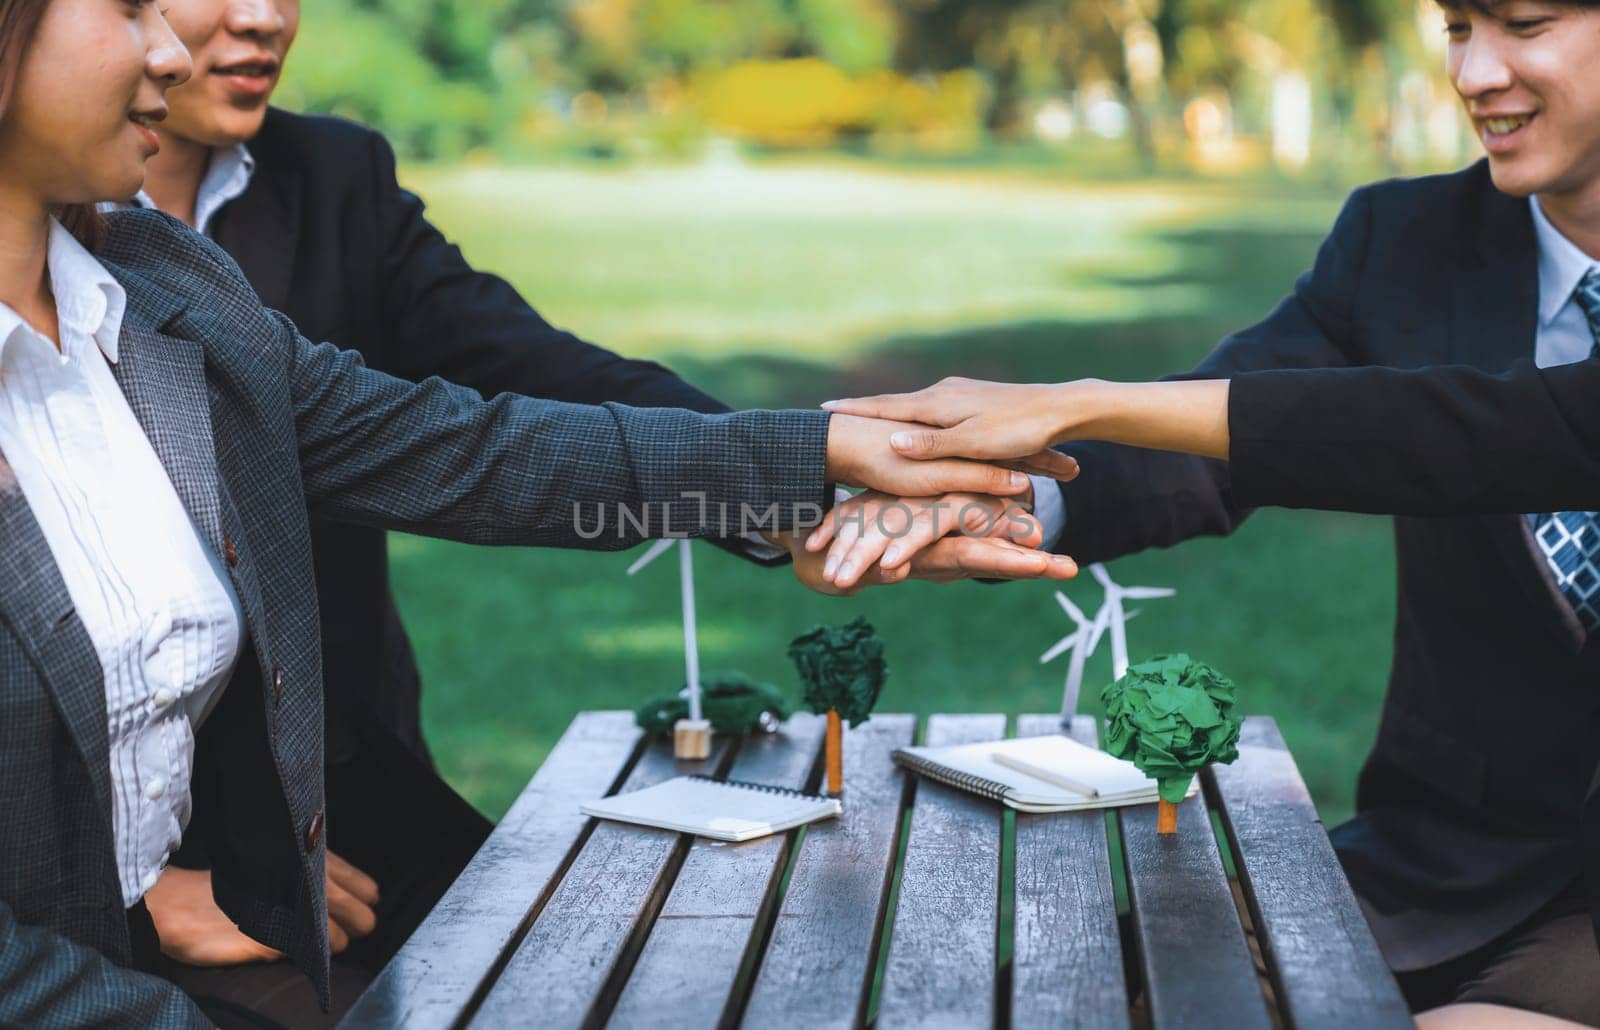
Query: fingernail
(1018, 480)
(829, 567)
(811, 541)
(891, 556)
(847, 571)
(829, 404)
(900, 441)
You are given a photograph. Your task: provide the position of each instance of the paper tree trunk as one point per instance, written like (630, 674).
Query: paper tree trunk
(835, 753)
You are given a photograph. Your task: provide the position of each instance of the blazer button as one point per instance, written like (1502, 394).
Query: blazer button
(314, 832)
(277, 684)
(230, 552)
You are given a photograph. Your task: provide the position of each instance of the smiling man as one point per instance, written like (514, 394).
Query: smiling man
(1475, 850)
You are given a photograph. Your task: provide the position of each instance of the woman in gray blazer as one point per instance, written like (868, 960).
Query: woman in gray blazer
(163, 439)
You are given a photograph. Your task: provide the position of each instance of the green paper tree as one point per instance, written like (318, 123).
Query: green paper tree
(842, 672)
(1170, 716)
(732, 702)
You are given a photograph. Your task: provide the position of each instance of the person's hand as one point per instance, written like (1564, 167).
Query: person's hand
(859, 454)
(193, 930)
(352, 896)
(970, 418)
(954, 536)
(941, 539)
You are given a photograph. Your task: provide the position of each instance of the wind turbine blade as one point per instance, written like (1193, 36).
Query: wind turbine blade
(1102, 619)
(1060, 647)
(1099, 572)
(1145, 593)
(1072, 609)
(656, 550)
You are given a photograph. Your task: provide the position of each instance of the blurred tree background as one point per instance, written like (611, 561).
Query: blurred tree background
(790, 200)
(1209, 85)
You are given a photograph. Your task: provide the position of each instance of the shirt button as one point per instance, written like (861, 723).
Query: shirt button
(155, 788)
(150, 879)
(164, 697)
(277, 684)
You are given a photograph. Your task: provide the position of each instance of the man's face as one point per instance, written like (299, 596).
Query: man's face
(1529, 75)
(238, 48)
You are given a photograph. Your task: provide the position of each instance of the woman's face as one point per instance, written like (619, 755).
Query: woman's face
(1529, 74)
(89, 86)
(238, 48)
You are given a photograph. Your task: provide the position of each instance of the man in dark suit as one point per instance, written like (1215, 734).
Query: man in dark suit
(311, 209)
(1468, 847)
(1476, 847)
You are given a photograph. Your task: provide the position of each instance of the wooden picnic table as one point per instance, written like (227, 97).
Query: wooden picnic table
(975, 916)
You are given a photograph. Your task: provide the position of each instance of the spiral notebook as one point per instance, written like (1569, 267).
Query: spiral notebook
(1035, 774)
(728, 810)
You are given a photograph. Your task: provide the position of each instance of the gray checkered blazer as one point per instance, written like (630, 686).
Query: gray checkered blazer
(256, 426)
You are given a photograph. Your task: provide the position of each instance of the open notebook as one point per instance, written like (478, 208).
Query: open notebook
(1035, 774)
(721, 809)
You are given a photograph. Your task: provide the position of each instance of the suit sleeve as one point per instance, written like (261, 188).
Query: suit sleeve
(444, 318)
(435, 458)
(47, 980)
(1130, 498)
(1448, 440)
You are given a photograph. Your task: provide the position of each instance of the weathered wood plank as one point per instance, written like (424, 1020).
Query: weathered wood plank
(1066, 963)
(429, 983)
(1322, 957)
(942, 963)
(558, 971)
(1192, 951)
(685, 974)
(817, 965)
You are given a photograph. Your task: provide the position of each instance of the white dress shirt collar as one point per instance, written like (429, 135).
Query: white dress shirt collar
(1562, 265)
(88, 300)
(227, 176)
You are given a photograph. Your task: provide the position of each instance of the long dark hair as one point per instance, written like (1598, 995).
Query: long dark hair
(19, 20)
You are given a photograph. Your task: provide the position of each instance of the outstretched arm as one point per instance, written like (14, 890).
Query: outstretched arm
(1433, 441)
(1448, 440)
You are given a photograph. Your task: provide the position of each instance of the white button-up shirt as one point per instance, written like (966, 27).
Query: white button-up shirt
(1564, 335)
(228, 175)
(156, 604)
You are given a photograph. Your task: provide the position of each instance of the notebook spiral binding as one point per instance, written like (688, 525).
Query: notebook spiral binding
(765, 788)
(980, 785)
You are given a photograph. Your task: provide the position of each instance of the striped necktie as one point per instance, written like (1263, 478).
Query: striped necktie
(1570, 540)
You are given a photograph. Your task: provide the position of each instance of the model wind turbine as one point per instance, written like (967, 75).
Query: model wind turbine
(1081, 643)
(691, 737)
(1115, 618)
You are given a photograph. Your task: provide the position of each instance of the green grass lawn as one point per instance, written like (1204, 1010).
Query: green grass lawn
(789, 284)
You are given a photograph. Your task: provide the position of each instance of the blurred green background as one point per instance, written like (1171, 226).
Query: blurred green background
(790, 200)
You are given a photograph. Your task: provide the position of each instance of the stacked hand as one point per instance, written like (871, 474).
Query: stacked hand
(970, 418)
(941, 519)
